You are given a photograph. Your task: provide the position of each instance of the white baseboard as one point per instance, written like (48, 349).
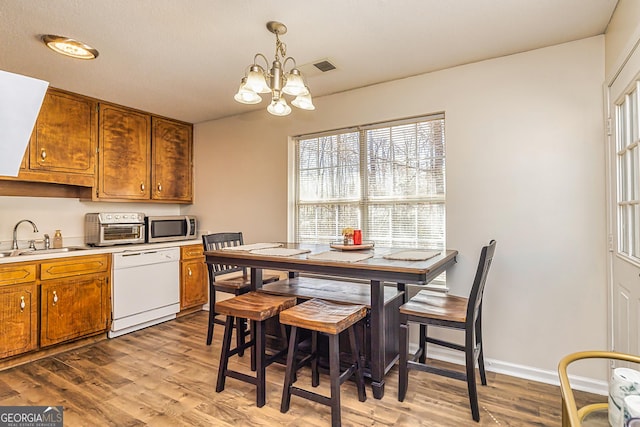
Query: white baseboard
(520, 371)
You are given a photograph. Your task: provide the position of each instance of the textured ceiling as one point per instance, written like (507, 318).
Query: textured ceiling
(184, 58)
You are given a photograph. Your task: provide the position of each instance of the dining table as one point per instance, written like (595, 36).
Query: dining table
(372, 264)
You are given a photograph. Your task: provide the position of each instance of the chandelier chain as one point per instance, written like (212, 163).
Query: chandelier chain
(280, 47)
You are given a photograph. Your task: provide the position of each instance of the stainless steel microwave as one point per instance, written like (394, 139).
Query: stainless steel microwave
(170, 228)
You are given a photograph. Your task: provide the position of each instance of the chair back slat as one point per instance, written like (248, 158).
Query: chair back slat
(474, 306)
(218, 241)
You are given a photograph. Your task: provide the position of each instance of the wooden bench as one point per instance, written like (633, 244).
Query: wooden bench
(328, 289)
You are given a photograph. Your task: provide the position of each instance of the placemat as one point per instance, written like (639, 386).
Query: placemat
(340, 256)
(412, 255)
(252, 247)
(279, 251)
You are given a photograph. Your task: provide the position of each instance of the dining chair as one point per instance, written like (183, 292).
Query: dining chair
(571, 415)
(237, 284)
(428, 308)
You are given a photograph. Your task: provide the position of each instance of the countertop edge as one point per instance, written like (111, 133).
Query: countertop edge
(88, 250)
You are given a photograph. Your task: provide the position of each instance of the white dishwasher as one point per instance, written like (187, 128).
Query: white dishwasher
(145, 289)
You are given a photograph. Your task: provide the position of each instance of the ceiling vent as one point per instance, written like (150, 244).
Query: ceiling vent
(317, 67)
(324, 66)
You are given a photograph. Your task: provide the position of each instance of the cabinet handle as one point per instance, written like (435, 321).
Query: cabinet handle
(55, 297)
(159, 187)
(43, 154)
(142, 186)
(189, 271)
(22, 303)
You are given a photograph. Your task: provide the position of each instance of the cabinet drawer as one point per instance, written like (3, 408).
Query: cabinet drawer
(11, 274)
(74, 266)
(191, 251)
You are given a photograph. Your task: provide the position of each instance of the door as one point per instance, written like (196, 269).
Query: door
(194, 283)
(624, 205)
(64, 137)
(73, 307)
(124, 155)
(18, 319)
(171, 160)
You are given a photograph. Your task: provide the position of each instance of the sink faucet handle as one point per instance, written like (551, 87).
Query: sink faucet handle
(47, 241)
(32, 244)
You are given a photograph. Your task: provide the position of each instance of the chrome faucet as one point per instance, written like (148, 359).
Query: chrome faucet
(15, 232)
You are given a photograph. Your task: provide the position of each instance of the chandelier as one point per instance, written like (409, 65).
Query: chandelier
(275, 80)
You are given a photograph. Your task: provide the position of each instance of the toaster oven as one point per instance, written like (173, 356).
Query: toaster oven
(114, 228)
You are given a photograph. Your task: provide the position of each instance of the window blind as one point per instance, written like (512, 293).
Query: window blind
(387, 179)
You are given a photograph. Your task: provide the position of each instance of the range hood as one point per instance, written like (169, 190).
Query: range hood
(20, 104)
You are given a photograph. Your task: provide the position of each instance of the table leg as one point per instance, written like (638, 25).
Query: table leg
(377, 338)
(256, 278)
(402, 288)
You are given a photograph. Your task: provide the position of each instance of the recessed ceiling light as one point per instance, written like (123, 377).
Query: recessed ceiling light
(69, 47)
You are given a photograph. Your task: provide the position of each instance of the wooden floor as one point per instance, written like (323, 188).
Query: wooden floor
(165, 376)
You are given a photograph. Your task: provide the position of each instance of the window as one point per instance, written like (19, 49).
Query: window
(628, 170)
(387, 179)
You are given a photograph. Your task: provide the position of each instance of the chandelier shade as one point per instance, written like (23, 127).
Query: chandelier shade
(303, 102)
(245, 95)
(275, 79)
(279, 107)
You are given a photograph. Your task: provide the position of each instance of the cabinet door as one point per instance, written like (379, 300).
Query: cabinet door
(171, 174)
(18, 319)
(64, 138)
(73, 307)
(193, 283)
(124, 154)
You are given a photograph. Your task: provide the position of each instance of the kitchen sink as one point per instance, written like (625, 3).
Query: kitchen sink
(19, 252)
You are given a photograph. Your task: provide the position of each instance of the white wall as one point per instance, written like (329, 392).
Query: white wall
(525, 166)
(623, 33)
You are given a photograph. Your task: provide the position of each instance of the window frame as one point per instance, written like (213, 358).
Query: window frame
(365, 201)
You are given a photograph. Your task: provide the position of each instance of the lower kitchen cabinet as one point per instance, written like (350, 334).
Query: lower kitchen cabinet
(72, 308)
(74, 298)
(18, 319)
(18, 308)
(193, 277)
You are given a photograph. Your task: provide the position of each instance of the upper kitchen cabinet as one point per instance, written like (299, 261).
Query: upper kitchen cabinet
(123, 155)
(63, 142)
(171, 175)
(143, 158)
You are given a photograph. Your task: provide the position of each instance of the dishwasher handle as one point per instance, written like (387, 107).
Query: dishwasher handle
(138, 253)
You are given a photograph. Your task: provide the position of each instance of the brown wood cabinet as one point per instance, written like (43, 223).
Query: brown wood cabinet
(18, 309)
(171, 166)
(193, 277)
(143, 158)
(104, 151)
(124, 154)
(62, 148)
(74, 298)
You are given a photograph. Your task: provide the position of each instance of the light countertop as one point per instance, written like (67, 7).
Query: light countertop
(89, 250)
